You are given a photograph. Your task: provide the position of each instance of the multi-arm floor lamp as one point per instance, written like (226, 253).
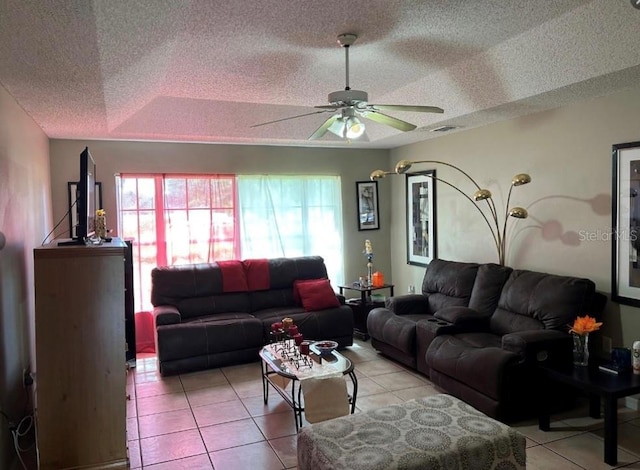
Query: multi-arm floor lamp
(498, 230)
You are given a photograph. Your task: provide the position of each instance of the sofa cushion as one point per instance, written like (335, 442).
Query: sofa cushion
(533, 300)
(487, 287)
(317, 295)
(448, 283)
(283, 271)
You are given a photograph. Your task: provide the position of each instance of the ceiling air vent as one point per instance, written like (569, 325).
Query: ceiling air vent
(444, 129)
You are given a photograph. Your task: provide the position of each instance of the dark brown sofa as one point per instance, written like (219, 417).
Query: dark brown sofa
(479, 337)
(213, 315)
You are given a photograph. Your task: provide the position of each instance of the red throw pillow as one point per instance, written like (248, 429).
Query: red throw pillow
(296, 293)
(317, 295)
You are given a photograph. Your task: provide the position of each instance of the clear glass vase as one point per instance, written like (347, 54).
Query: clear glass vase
(580, 349)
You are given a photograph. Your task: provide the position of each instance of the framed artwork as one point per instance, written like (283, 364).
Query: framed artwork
(421, 217)
(368, 212)
(625, 230)
(72, 195)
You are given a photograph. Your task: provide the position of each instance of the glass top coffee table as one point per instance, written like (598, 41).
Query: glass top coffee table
(280, 361)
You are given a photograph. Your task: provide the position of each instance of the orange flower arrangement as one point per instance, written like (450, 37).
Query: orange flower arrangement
(585, 325)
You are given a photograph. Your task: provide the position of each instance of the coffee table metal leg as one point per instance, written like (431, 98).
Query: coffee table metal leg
(354, 380)
(265, 383)
(611, 430)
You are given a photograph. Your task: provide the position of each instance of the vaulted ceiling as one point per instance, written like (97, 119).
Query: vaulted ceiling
(207, 70)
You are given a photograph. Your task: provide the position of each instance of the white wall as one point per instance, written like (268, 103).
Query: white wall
(25, 217)
(567, 152)
(120, 157)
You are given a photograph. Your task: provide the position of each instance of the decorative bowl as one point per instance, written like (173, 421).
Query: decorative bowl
(325, 347)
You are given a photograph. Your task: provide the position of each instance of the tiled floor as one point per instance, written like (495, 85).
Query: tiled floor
(217, 419)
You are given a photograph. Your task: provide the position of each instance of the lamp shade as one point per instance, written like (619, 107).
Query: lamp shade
(403, 166)
(337, 127)
(481, 195)
(377, 175)
(518, 213)
(520, 179)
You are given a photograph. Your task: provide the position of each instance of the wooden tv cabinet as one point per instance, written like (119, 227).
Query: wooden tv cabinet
(80, 367)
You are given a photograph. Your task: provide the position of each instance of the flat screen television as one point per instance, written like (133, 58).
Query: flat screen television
(85, 204)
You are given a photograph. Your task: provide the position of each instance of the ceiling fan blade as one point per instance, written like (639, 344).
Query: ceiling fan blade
(402, 107)
(322, 130)
(389, 121)
(287, 118)
(329, 106)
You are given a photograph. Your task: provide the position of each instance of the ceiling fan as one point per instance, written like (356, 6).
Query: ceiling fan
(349, 105)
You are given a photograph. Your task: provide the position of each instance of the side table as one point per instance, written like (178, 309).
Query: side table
(598, 385)
(362, 306)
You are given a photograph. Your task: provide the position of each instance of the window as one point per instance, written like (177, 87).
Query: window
(186, 219)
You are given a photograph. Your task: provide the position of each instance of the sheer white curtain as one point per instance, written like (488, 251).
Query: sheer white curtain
(292, 216)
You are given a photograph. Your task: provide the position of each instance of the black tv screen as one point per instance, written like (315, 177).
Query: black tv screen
(86, 196)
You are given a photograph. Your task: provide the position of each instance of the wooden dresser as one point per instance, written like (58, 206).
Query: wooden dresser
(80, 386)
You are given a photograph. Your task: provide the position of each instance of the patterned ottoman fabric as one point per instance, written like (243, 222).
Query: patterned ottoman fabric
(436, 432)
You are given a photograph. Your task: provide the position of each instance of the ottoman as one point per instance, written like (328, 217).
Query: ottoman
(436, 432)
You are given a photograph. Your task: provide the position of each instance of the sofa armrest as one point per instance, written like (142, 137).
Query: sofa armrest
(464, 318)
(411, 304)
(540, 345)
(166, 315)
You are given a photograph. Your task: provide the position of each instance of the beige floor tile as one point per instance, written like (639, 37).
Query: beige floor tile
(541, 458)
(276, 425)
(135, 459)
(256, 407)
(132, 408)
(398, 381)
(212, 394)
(376, 367)
(587, 451)
(286, 449)
(173, 446)
(250, 388)
(378, 400)
(358, 354)
(559, 430)
(220, 413)
(233, 434)
(202, 379)
(160, 387)
(366, 386)
(258, 455)
(162, 403)
(147, 376)
(165, 423)
(242, 372)
(132, 429)
(628, 438)
(197, 462)
(416, 392)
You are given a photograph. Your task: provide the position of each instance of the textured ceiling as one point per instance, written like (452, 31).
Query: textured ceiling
(206, 70)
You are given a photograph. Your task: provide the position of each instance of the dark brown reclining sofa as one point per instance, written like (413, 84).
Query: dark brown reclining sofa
(478, 331)
(218, 314)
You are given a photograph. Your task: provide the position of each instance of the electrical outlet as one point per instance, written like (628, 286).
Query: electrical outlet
(606, 344)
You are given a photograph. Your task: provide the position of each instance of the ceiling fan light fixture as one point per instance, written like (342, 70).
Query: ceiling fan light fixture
(354, 127)
(338, 127)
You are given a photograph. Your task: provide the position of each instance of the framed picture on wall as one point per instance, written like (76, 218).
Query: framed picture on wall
(421, 217)
(368, 212)
(625, 246)
(72, 195)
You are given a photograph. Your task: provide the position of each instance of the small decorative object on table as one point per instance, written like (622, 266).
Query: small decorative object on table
(101, 223)
(368, 252)
(580, 330)
(325, 348)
